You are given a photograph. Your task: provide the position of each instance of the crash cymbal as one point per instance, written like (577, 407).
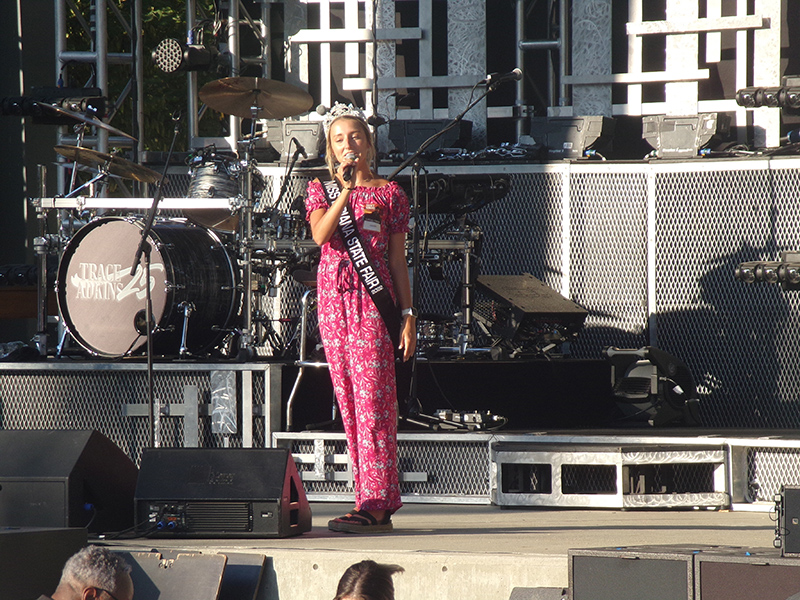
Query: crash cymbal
(238, 96)
(113, 164)
(84, 119)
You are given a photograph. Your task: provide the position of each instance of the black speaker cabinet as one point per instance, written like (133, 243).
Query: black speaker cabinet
(65, 479)
(789, 521)
(632, 573)
(32, 559)
(746, 574)
(220, 492)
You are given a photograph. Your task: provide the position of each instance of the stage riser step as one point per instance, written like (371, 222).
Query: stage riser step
(434, 468)
(608, 477)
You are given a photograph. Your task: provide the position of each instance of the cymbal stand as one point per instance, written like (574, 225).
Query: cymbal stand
(41, 245)
(247, 338)
(80, 130)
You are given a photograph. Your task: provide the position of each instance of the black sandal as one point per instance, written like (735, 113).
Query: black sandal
(361, 521)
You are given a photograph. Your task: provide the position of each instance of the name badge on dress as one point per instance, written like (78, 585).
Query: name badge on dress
(372, 218)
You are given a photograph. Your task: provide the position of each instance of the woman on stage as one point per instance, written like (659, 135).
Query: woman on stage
(361, 221)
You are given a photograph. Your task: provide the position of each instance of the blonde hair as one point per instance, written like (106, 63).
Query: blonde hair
(330, 159)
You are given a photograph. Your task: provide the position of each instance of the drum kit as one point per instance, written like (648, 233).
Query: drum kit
(206, 267)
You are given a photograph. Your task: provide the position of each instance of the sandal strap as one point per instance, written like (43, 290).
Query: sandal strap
(363, 514)
(363, 518)
(358, 517)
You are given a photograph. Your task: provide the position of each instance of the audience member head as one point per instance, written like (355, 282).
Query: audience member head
(95, 573)
(367, 580)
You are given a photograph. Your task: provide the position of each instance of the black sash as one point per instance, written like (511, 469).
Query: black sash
(364, 266)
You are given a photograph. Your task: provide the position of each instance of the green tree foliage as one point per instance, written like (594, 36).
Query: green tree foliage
(164, 93)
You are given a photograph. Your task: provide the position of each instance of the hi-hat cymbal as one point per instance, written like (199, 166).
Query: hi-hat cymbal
(84, 119)
(115, 165)
(242, 96)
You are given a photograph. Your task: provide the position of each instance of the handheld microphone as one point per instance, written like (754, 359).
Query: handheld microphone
(498, 78)
(347, 171)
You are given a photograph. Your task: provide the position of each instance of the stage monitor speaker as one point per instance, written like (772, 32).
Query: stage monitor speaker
(538, 593)
(631, 573)
(744, 575)
(65, 479)
(220, 492)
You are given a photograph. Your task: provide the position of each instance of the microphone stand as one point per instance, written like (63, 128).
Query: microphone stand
(292, 162)
(413, 404)
(145, 249)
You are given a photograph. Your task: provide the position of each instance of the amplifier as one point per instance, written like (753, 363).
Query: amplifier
(220, 493)
(788, 526)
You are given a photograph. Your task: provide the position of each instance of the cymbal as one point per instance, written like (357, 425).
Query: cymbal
(84, 119)
(238, 96)
(115, 165)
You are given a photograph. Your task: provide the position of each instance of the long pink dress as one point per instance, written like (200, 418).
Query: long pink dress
(357, 345)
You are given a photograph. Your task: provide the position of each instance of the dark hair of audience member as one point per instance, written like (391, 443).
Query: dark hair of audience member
(367, 580)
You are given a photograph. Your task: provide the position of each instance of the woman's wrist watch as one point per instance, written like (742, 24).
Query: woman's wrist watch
(409, 312)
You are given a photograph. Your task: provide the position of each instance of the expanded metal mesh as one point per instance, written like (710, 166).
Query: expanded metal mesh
(589, 479)
(769, 469)
(737, 340)
(608, 259)
(453, 467)
(676, 478)
(449, 468)
(115, 402)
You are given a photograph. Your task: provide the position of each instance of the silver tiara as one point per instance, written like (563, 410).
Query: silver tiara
(342, 110)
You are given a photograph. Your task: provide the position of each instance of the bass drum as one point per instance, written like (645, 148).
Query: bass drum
(104, 308)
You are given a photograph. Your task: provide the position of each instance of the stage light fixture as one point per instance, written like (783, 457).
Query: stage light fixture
(789, 273)
(746, 97)
(745, 273)
(172, 56)
(771, 96)
(785, 271)
(653, 387)
(791, 97)
(685, 136)
(768, 273)
(785, 96)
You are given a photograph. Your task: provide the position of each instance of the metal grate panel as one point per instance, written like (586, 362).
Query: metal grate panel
(769, 470)
(101, 399)
(608, 259)
(453, 467)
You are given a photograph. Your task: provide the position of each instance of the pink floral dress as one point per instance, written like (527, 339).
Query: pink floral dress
(357, 345)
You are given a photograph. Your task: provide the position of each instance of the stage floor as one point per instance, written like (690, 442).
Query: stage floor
(469, 552)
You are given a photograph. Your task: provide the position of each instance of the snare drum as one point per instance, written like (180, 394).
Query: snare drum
(104, 308)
